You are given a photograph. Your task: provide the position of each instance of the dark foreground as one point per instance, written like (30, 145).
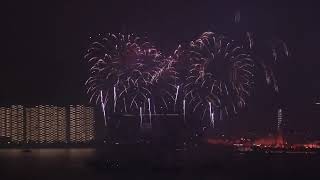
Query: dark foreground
(136, 162)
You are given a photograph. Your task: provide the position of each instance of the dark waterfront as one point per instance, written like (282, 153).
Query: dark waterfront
(90, 163)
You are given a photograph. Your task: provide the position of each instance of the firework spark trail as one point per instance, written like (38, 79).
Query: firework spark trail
(237, 17)
(103, 109)
(184, 110)
(149, 107)
(140, 116)
(125, 104)
(212, 117)
(274, 54)
(211, 114)
(250, 39)
(204, 113)
(210, 111)
(114, 99)
(175, 100)
(285, 48)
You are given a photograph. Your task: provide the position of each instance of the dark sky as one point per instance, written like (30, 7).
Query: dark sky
(44, 43)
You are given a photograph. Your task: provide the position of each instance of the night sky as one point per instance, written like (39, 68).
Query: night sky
(44, 43)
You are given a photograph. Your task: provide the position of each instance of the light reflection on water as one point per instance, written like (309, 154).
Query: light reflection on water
(49, 153)
(16, 163)
(77, 164)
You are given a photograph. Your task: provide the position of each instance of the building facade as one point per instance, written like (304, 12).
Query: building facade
(3, 121)
(47, 124)
(12, 123)
(17, 124)
(81, 124)
(32, 125)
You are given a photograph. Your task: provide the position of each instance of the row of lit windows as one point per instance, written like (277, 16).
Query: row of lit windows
(47, 124)
(81, 124)
(11, 122)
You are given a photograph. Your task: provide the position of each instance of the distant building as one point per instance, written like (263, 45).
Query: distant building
(8, 123)
(11, 123)
(17, 130)
(32, 125)
(81, 124)
(62, 124)
(3, 126)
(47, 124)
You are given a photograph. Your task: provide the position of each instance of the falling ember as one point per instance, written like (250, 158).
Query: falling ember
(175, 100)
(211, 114)
(212, 122)
(274, 54)
(140, 116)
(286, 51)
(114, 99)
(237, 17)
(184, 110)
(125, 104)
(103, 109)
(210, 110)
(250, 40)
(149, 103)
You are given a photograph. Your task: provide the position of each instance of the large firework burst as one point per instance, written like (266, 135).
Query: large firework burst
(121, 72)
(220, 75)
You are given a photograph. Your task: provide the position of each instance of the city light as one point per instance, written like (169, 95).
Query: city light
(11, 123)
(47, 124)
(81, 124)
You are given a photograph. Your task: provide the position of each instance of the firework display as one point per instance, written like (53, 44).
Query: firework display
(121, 72)
(210, 78)
(220, 75)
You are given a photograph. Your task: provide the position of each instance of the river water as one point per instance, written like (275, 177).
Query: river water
(88, 163)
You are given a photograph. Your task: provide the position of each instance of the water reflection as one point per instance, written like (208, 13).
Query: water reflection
(49, 153)
(91, 164)
(43, 162)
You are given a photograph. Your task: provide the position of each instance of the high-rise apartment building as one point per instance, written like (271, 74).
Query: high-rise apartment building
(8, 123)
(2, 122)
(17, 131)
(81, 124)
(32, 125)
(61, 124)
(47, 124)
(12, 123)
